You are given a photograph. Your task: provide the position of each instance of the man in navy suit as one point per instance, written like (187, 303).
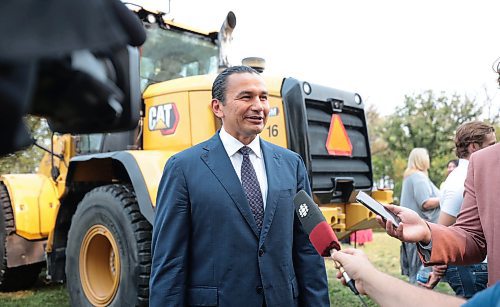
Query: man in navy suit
(225, 232)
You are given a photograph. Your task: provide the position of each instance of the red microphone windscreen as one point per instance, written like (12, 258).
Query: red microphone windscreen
(320, 233)
(324, 239)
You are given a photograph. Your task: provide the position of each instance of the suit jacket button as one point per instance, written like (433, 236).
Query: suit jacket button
(259, 290)
(261, 252)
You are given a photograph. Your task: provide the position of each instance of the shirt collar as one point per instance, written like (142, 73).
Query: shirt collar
(463, 163)
(232, 145)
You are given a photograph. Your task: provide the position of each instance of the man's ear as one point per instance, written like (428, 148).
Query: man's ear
(473, 147)
(217, 108)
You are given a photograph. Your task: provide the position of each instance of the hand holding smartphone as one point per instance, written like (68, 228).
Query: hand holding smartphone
(377, 208)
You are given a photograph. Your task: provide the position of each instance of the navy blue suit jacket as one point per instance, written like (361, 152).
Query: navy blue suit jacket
(206, 247)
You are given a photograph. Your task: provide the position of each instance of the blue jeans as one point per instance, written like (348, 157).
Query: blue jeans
(467, 280)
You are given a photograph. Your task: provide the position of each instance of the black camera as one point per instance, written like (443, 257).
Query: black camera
(78, 70)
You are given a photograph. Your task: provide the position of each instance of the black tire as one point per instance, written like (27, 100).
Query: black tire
(16, 278)
(108, 226)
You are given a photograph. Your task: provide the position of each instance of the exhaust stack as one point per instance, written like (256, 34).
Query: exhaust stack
(224, 39)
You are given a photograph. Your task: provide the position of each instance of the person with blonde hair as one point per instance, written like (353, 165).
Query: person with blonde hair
(422, 196)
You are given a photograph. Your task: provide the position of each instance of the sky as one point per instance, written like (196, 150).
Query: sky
(382, 49)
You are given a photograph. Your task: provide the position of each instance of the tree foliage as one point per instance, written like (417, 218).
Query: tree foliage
(379, 148)
(426, 120)
(26, 161)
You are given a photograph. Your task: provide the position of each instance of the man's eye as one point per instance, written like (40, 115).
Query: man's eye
(263, 97)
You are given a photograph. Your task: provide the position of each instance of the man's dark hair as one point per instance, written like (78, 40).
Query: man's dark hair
(454, 161)
(220, 83)
(470, 133)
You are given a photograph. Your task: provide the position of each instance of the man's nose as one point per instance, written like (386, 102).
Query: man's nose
(257, 104)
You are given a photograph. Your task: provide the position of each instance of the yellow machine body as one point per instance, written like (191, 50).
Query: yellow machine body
(34, 199)
(178, 114)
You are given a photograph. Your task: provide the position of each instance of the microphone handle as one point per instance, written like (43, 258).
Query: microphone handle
(350, 282)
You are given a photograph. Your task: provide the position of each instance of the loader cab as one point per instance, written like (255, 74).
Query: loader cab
(89, 143)
(105, 142)
(172, 51)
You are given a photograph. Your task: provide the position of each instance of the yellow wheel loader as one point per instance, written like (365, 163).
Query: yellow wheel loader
(87, 213)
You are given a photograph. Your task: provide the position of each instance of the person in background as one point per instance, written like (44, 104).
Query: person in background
(225, 231)
(360, 237)
(475, 233)
(388, 291)
(419, 194)
(469, 138)
(452, 164)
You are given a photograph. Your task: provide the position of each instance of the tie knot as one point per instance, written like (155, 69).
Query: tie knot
(245, 150)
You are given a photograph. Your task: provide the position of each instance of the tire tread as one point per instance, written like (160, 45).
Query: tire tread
(142, 231)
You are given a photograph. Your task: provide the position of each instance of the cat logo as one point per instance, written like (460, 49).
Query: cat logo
(338, 142)
(164, 117)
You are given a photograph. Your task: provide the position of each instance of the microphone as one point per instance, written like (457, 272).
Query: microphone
(320, 233)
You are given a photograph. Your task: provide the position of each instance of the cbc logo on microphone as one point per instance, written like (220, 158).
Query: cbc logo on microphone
(303, 210)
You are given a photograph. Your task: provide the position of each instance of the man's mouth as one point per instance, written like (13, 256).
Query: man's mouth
(255, 118)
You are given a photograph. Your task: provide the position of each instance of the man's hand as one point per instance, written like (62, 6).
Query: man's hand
(356, 265)
(412, 228)
(432, 282)
(439, 270)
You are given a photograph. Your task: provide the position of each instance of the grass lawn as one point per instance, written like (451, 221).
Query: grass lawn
(383, 252)
(41, 294)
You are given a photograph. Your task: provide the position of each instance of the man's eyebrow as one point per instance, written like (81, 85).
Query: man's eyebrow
(242, 93)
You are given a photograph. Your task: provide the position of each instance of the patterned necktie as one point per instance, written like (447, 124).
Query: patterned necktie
(251, 187)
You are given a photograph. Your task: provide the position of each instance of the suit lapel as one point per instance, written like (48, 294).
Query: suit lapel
(217, 160)
(272, 161)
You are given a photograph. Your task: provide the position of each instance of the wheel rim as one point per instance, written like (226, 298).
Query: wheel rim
(99, 265)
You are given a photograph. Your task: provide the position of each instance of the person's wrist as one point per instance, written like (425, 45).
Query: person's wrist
(371, 279)
(427, 235)
(366, 272)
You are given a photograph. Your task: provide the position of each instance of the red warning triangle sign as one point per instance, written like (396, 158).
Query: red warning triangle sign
(338, 142)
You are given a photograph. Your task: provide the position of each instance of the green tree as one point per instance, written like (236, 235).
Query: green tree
(26, 161)
(425, 120)
(378, 147)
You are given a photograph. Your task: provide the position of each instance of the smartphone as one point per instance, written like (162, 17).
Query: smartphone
(377, 208)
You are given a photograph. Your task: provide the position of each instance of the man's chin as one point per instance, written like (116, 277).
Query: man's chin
(258, 130)
(255, 128)
(252, 133)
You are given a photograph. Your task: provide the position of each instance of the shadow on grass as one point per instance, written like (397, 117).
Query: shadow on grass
(41, 294)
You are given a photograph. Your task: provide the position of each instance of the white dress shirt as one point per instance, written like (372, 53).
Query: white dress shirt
(232, 147)
(452, 191)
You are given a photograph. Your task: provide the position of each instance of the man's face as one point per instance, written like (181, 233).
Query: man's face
(451, 166)
(244, 114)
